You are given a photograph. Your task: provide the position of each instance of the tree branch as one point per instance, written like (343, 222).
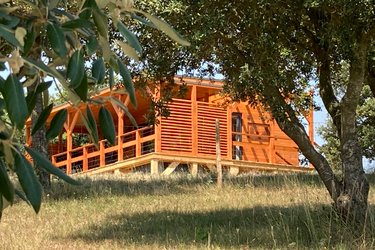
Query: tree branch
(291, 126)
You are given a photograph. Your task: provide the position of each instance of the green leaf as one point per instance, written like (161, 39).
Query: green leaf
(28, 180)
(57, 39)
(6, 186)
(21, 195)
(101, 23)
(31, 102)
(29, 41)
(7, 20)
(8, 35)
(57, 124)
(92, 45)
(98, 70)
(130, 37)
(43, 86)
(111, 78)
(107, 125)
(82, 89)
(42, 118)
(44, 163)
(142, 20)
(125, 74)
(128, 50)
(78, 23)
(15, 101)
(166, 28)
(92, 123)
(74, 98)
(121, 105)
(85, 13)
(76, 68)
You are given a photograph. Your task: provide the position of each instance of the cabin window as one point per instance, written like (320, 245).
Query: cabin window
(237, 135)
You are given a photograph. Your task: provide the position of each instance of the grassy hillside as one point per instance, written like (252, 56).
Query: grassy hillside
(181, 212)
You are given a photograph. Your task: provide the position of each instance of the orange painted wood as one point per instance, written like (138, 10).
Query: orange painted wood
(101, 154)
(188, 131)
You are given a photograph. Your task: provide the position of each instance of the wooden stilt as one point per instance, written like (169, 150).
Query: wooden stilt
(194, 169)
(233, 171)
(154, 167)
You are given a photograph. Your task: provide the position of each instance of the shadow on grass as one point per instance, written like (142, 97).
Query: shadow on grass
(133, 185)
(258, 227)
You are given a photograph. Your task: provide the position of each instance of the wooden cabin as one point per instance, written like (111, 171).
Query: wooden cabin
(249, 137)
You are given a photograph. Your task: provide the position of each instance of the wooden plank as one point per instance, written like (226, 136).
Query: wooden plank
(218, 156)
(171, 167)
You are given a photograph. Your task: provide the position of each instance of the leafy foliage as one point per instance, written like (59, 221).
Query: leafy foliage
(59, 40)
(366, 132)
(270, 52)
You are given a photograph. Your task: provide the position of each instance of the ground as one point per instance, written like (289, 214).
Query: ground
(136, 211)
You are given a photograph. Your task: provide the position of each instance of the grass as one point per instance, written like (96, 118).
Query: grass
(180, 212)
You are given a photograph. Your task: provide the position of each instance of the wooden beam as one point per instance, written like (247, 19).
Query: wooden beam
(120, 132)
(138, 149)
(101, 154)
(218, 155)
(194, 113)
(171, 167)
(129, 164)
(229, 131)
(271, 146)
(85, 161)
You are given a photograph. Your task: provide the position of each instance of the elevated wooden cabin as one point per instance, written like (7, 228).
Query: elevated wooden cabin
(249, 137)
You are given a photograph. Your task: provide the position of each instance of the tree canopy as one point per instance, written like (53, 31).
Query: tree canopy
(270, 52)
(68, 42)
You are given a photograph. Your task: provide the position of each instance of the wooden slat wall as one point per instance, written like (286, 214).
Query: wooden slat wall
(256, 140)
(176, 130)
(207, 115)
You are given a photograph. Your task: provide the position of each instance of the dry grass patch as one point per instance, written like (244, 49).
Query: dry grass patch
(181, 212)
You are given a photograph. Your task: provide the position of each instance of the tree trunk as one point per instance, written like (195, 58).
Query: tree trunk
(39, 141)
(352, 201)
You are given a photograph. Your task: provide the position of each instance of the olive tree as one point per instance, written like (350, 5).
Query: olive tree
(49, 42)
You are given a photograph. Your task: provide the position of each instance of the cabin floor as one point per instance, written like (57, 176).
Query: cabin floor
(166, 164)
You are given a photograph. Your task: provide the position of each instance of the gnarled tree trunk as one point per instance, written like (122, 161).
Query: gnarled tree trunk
(39, 140)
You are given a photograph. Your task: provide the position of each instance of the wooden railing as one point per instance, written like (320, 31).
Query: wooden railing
(132, 144)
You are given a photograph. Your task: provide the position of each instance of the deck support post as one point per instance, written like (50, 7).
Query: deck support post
(154, 167)
(234, 171)
(194, 169)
